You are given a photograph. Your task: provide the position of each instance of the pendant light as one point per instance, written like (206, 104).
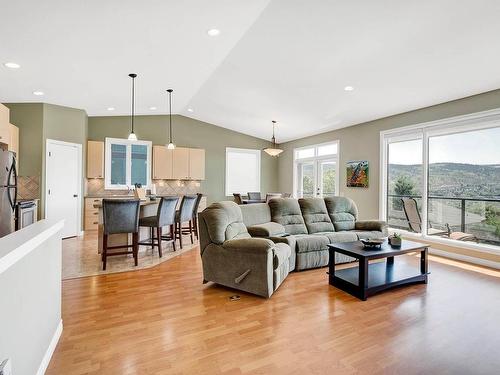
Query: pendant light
(132, 136)
(171, 144)
(273, 151)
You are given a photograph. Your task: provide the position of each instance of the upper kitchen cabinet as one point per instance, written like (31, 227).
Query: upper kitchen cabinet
(95, 159)
(180, 168)
(196, 164)
(162, 163)
(4, 124)
(188, 164)
(14, 139)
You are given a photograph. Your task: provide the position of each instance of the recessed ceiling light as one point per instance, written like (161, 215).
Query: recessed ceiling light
(38, 93)
(348, 88)
(213, 32)
(12, 65)
(190, 110)
(111, 108)
(152, 108)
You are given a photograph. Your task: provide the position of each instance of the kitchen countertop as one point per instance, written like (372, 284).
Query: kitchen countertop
(143, 202)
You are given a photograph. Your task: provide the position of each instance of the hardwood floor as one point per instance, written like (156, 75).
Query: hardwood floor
(162, 320)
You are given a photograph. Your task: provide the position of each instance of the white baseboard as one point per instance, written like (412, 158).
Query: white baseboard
(50, 350)
(465, 258)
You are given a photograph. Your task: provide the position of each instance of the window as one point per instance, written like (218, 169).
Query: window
(316, 170)
(448, 173)
(242, 170)
(127, 163)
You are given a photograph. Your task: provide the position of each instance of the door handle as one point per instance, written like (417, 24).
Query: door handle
(75, 195)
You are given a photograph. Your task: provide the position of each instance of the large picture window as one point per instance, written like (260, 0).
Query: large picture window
(316, 170)
(127, 163)
(242, 170)
(441, 180)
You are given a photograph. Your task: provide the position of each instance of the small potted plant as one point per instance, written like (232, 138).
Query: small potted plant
(395, 240)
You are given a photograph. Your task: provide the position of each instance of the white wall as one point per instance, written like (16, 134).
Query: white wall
(30, 292)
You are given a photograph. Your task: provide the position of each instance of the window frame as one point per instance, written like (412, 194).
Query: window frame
(315, 160)
(452, 125)
(128, 163)
(230, 150)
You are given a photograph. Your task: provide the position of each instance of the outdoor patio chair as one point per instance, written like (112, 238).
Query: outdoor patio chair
(415, 223)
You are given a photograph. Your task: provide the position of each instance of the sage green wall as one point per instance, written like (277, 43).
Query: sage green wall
(362, 142)
(189, 132)
(28, 117)
(38, 122)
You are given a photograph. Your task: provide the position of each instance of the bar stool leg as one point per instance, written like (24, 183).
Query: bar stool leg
(158, 232)
(104, 251)
(172, 236)
(135, 246)
(179, 231)
(191, 231)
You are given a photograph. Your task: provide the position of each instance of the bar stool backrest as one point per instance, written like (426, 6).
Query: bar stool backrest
(120, 215)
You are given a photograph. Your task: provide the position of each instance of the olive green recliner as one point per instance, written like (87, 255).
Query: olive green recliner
(231, 257)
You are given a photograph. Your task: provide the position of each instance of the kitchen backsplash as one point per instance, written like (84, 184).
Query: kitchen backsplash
(28, 187)
(163, 187)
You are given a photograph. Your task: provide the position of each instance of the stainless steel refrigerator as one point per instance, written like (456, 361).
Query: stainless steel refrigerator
(8, 192)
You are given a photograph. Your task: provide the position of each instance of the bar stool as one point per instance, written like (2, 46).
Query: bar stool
(195, 214)
(120, 216)
(165, 216)
(185, 214)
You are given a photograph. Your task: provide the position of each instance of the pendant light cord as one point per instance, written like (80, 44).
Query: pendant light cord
(170, 113)
(133, 99)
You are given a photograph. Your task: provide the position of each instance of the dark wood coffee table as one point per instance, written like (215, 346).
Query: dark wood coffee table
(368, 279)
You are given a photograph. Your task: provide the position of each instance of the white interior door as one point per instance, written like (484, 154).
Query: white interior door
(63, 185)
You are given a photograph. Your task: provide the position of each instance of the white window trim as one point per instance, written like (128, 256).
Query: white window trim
(332, 157)
(107, 166)
(452, 125)
(245, 151)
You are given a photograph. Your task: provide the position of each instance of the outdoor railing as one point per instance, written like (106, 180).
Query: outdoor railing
(486, 232)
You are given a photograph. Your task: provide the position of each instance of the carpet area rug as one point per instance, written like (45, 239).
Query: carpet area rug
(80, 257)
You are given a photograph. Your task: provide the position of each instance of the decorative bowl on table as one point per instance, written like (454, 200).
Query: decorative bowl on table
(373, 243)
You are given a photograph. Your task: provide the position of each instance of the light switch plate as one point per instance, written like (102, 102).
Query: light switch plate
(5, 367)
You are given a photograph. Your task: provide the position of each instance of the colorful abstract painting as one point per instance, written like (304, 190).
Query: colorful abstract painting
(357, 173)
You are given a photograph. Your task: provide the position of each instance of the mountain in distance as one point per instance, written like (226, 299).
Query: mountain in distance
(452, 179)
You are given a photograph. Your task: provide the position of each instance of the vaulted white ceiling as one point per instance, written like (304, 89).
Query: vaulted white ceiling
(287, 60)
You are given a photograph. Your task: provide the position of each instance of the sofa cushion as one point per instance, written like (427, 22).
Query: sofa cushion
(257, 213)
(342, 236)
(287, 213)
(315, 215)
(281, 254)
(311, 242)
(266, 230)
(290, 241)
(364, 234)
(224, 222)
(342, 211)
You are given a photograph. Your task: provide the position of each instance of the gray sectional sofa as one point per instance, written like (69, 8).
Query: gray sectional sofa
(254, 247)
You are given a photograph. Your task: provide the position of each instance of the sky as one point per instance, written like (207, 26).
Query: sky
(476, 147)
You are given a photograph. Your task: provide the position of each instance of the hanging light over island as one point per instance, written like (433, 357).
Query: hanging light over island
(274, 150)
(132, 136)
(171, 144)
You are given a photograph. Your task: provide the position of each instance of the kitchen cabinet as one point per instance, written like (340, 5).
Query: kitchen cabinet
(162, 163)
(180, 165)
(4, 124)
(91, 213)
(95, 159)
(14, 140)
(196, 164)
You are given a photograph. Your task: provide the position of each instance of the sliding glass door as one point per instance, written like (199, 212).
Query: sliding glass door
(404, 181)
(443, 180)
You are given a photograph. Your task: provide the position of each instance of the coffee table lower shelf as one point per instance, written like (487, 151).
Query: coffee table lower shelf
(381, 276)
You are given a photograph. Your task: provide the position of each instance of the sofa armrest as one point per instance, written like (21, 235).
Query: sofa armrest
(249, 245)
(377, 225)
(270, 229)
